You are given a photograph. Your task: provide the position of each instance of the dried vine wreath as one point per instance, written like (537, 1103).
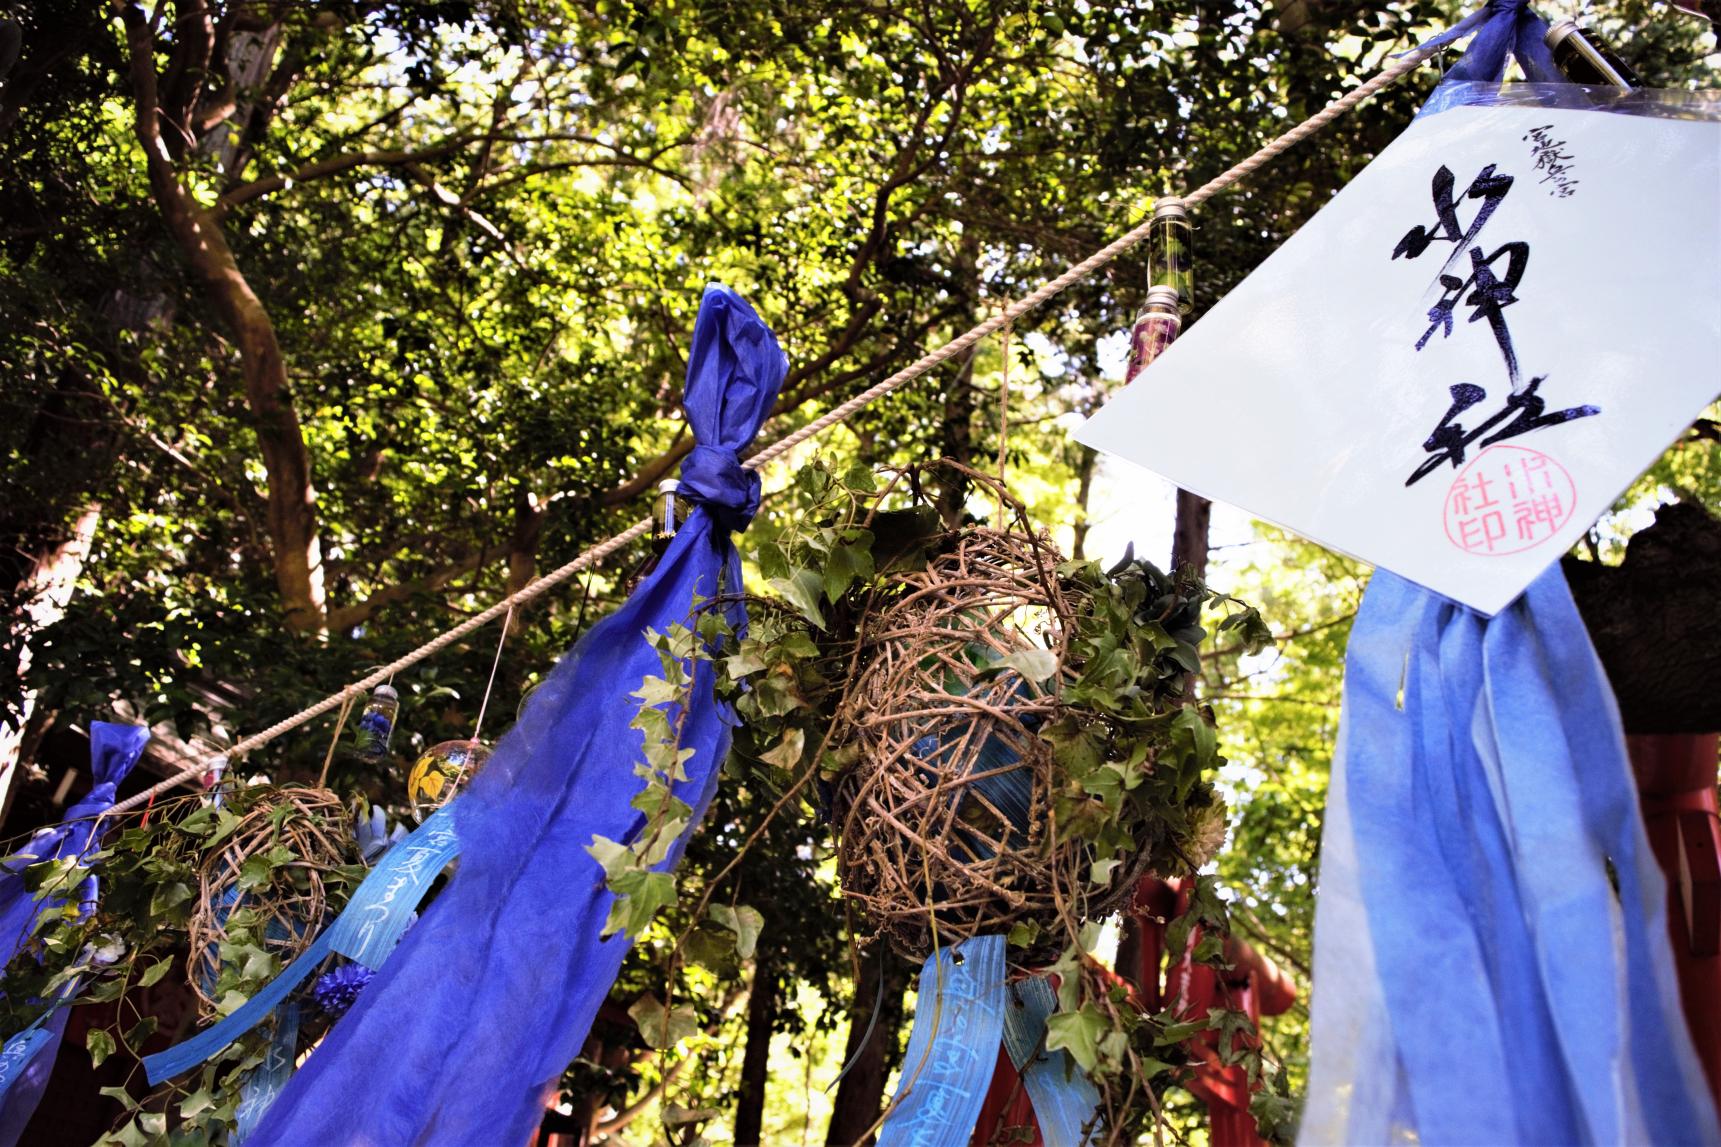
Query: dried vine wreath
(273, 869)
(1003, 749)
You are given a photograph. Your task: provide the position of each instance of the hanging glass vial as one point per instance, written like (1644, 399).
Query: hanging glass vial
(1584, 58)
(1155, 329)
(441, 772)
(665, 523)
(376, 723)
(1170, 251)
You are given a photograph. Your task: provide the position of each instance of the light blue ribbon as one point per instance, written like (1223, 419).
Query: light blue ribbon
(269, 1077)
(953, 1048)
(211, 1040)
(1065, 1099)
(1493, 811)
(19, 1051)
(371, 924)
(367, 930)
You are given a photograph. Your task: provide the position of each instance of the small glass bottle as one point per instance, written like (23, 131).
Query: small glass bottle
(1583, 58)
(1170, 253)
(666, 522)
(376, 723)
(1155, 329)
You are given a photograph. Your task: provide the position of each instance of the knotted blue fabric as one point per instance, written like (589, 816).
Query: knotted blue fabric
(27, 1059)
(114, 749)
(1492, 961)
(1502, 28)
(470, 1023)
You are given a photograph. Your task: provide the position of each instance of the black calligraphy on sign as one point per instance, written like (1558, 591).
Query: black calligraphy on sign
(1552, 160)
(1487, 284)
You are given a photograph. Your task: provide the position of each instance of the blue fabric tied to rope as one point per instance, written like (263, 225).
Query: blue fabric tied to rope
(1502, 28)
(27, 1058)
(470, 1023)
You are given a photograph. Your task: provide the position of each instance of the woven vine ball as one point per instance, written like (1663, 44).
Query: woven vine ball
(285, 888)
(945, 817)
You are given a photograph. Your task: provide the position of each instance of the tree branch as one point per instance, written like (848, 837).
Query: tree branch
(323, 168)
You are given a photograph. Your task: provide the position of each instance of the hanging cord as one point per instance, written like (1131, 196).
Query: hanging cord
(1387, 75)
(484, 705)
(340, 727)
(1003, 424)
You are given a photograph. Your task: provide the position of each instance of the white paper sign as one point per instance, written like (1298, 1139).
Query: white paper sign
(1462, 360)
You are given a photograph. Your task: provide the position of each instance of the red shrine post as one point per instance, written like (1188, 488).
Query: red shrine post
(1676, 781)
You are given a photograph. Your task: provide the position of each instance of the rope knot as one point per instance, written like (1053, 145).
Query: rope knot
(715, 478)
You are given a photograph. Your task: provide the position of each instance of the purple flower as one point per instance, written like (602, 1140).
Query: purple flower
(335, 991)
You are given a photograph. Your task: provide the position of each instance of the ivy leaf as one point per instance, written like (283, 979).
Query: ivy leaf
(802, 591)
(788, 752)
(744, 663)
(154, 973)
(662, 1027)
(612, 857)
(1194, 738)
(167, 897)
(1079, 1033)
(100, 1045)
(639, 894)
(745, 922)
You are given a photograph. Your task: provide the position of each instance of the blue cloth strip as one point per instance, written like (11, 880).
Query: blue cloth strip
(1503, 28)
(268, 1078)
(1493, 808)
(953, 1048)
(20, 1050)
(1065, 1099)
(490, 995)
(381, 907)
(187, 1054)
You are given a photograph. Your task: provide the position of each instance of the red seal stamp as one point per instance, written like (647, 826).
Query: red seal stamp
(1507, 500)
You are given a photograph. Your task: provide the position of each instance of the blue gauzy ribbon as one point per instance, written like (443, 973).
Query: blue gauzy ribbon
(371, 924)
(1503, 28)
(1478, 978)
(488, 998)
(952, 1048)
(27, 1059)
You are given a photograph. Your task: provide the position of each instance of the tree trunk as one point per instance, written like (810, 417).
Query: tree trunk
(860, 1096)
(1084, 489)
(523, 547)
(1655, 620)
(43, 597)
(756, 1062)
(1189, 534)
(292, 509)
